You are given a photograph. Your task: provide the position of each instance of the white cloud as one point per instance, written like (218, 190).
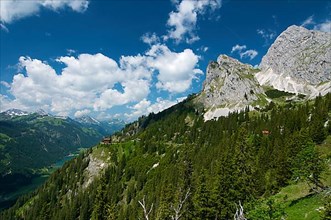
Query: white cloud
(71, 51)
(144, 107)
(162, 104)
(176, 70)
(203, 49)
(324, 26)
(238, 47)
(104, 116)
(133, 91)
(7, 103)
(17, 9)
(267, 35)
(3, 27)
(5, 84)
(251, 54)
(81, 113)
(150, 38)
(97, 82)
(183, 21)
(75, 5)
(308, 21)
(84, 83)
(243, 53)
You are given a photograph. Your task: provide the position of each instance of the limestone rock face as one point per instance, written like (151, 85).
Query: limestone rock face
(298, 61)
(229, 83)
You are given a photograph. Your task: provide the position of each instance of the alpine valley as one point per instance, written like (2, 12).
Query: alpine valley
(32, 143)
(255, 143)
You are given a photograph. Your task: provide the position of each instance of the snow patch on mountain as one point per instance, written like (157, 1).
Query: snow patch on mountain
(88, 120)
(15, 112)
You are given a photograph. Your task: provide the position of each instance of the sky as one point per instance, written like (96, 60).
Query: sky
(123, 59)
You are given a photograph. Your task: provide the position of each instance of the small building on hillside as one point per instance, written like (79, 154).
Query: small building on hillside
(266, 132)
(106, 140)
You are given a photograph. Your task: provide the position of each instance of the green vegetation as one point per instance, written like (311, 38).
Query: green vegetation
(32, 143)
(255, 70)
(274, 93)
(305, 208)
(213, 64)
(261, 101)
(273, 163)
(247, 76)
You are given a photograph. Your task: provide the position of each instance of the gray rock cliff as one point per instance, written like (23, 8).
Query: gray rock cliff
(298, 61)
(229, 83)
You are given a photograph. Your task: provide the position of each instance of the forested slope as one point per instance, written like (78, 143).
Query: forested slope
(175, 165)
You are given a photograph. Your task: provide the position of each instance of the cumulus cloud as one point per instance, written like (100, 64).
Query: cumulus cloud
(176, 70)
(144, 107)
(86, 82)
(150, 38)
(96, 82)
(133, 91)
(81, 113)
(243, 53)
(324, 26)
(7, 103)
(18, 9)
(183, 21)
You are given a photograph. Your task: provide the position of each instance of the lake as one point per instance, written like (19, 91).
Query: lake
(9, 199)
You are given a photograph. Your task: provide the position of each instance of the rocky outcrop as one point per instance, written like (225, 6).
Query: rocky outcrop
(299, 61)
(229, 84)
(93, 170)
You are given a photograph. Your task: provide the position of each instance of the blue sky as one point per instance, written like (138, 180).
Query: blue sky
(123, 59)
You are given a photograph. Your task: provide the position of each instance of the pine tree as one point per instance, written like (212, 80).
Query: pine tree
(309, 166)
(203, 206)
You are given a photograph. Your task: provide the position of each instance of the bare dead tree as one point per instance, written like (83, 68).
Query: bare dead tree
(143, 205)
(239, 213)
(177, 209)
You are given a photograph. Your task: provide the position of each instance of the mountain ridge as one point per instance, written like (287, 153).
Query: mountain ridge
(299, 61)
(231, 85)
(31, 143)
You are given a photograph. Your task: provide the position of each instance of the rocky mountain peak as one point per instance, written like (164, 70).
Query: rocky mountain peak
(298, 61)
(15, 112)
(229, 84)
(223, 67)
(41, 112)
(86, 119)
(225, 60)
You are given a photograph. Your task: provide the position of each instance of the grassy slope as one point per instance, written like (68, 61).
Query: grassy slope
(300, 203)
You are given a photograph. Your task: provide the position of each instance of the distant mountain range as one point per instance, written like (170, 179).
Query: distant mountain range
(103, 127)
(31, 141)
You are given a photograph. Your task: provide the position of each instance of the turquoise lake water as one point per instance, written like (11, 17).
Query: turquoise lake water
(37, 181)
